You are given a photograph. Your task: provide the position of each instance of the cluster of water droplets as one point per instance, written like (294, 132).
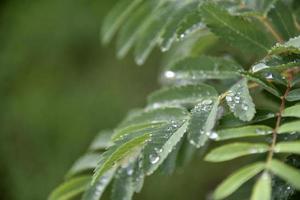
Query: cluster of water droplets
(203, 108)
(154, 157)
(234, 99)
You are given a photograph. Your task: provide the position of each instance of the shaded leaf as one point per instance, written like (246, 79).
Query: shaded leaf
(294, 95)
(86, 162)
(129, 31)
(70, 188)
(237, 30)
(286, 172)
(116, 17)
(229, 120)
(151, 32)
(102, 141)
(96, 190)
(123, 188)
(169, 35)
(283, 21)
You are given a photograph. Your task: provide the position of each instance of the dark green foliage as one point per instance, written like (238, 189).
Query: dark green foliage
(209, 95)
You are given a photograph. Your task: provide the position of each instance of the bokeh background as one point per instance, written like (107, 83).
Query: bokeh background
(59, 87)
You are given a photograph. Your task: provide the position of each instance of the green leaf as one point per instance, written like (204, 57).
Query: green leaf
(294, 95)
(290, 127)
(102, 141)
(86, 162)
(234, 181)
(170, 163)
(191, 23)
(143, 127)
(156, 115)
(116, 17)
(202, 122)
(236, 30)
(262, 188)
(70, 188)
(118, 154)
(229, 120)
(266, 5)
(161, 145)
(283, 21)
(96, 190)
(123, 188)
(202, 68)
(293, 111)
(291, 46)
(169, 35)
(288, 147)
(286, 172)
(235, 150)
(240, 102)
(245, 131)
(150, 34)
(186, 95)
(262, 82)
(131, 28)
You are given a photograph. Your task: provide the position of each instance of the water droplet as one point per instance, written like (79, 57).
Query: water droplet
(158, 150)
(245, 107)
(129, 171)
(269, 76)
(260, 131)
(213, 135)
(229, 98)
(169, 74)
(154, 158)
(258, 67)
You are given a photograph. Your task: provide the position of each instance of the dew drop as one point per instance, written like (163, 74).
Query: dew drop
(260, 131)
(154, 158)
(258, 67)
(169, 74)
(213, 135)
(245, 107)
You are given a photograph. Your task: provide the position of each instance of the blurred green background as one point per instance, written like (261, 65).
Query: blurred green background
(59, 87)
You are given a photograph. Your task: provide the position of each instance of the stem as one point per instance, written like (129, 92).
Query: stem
(270, 28)
(279, 118)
